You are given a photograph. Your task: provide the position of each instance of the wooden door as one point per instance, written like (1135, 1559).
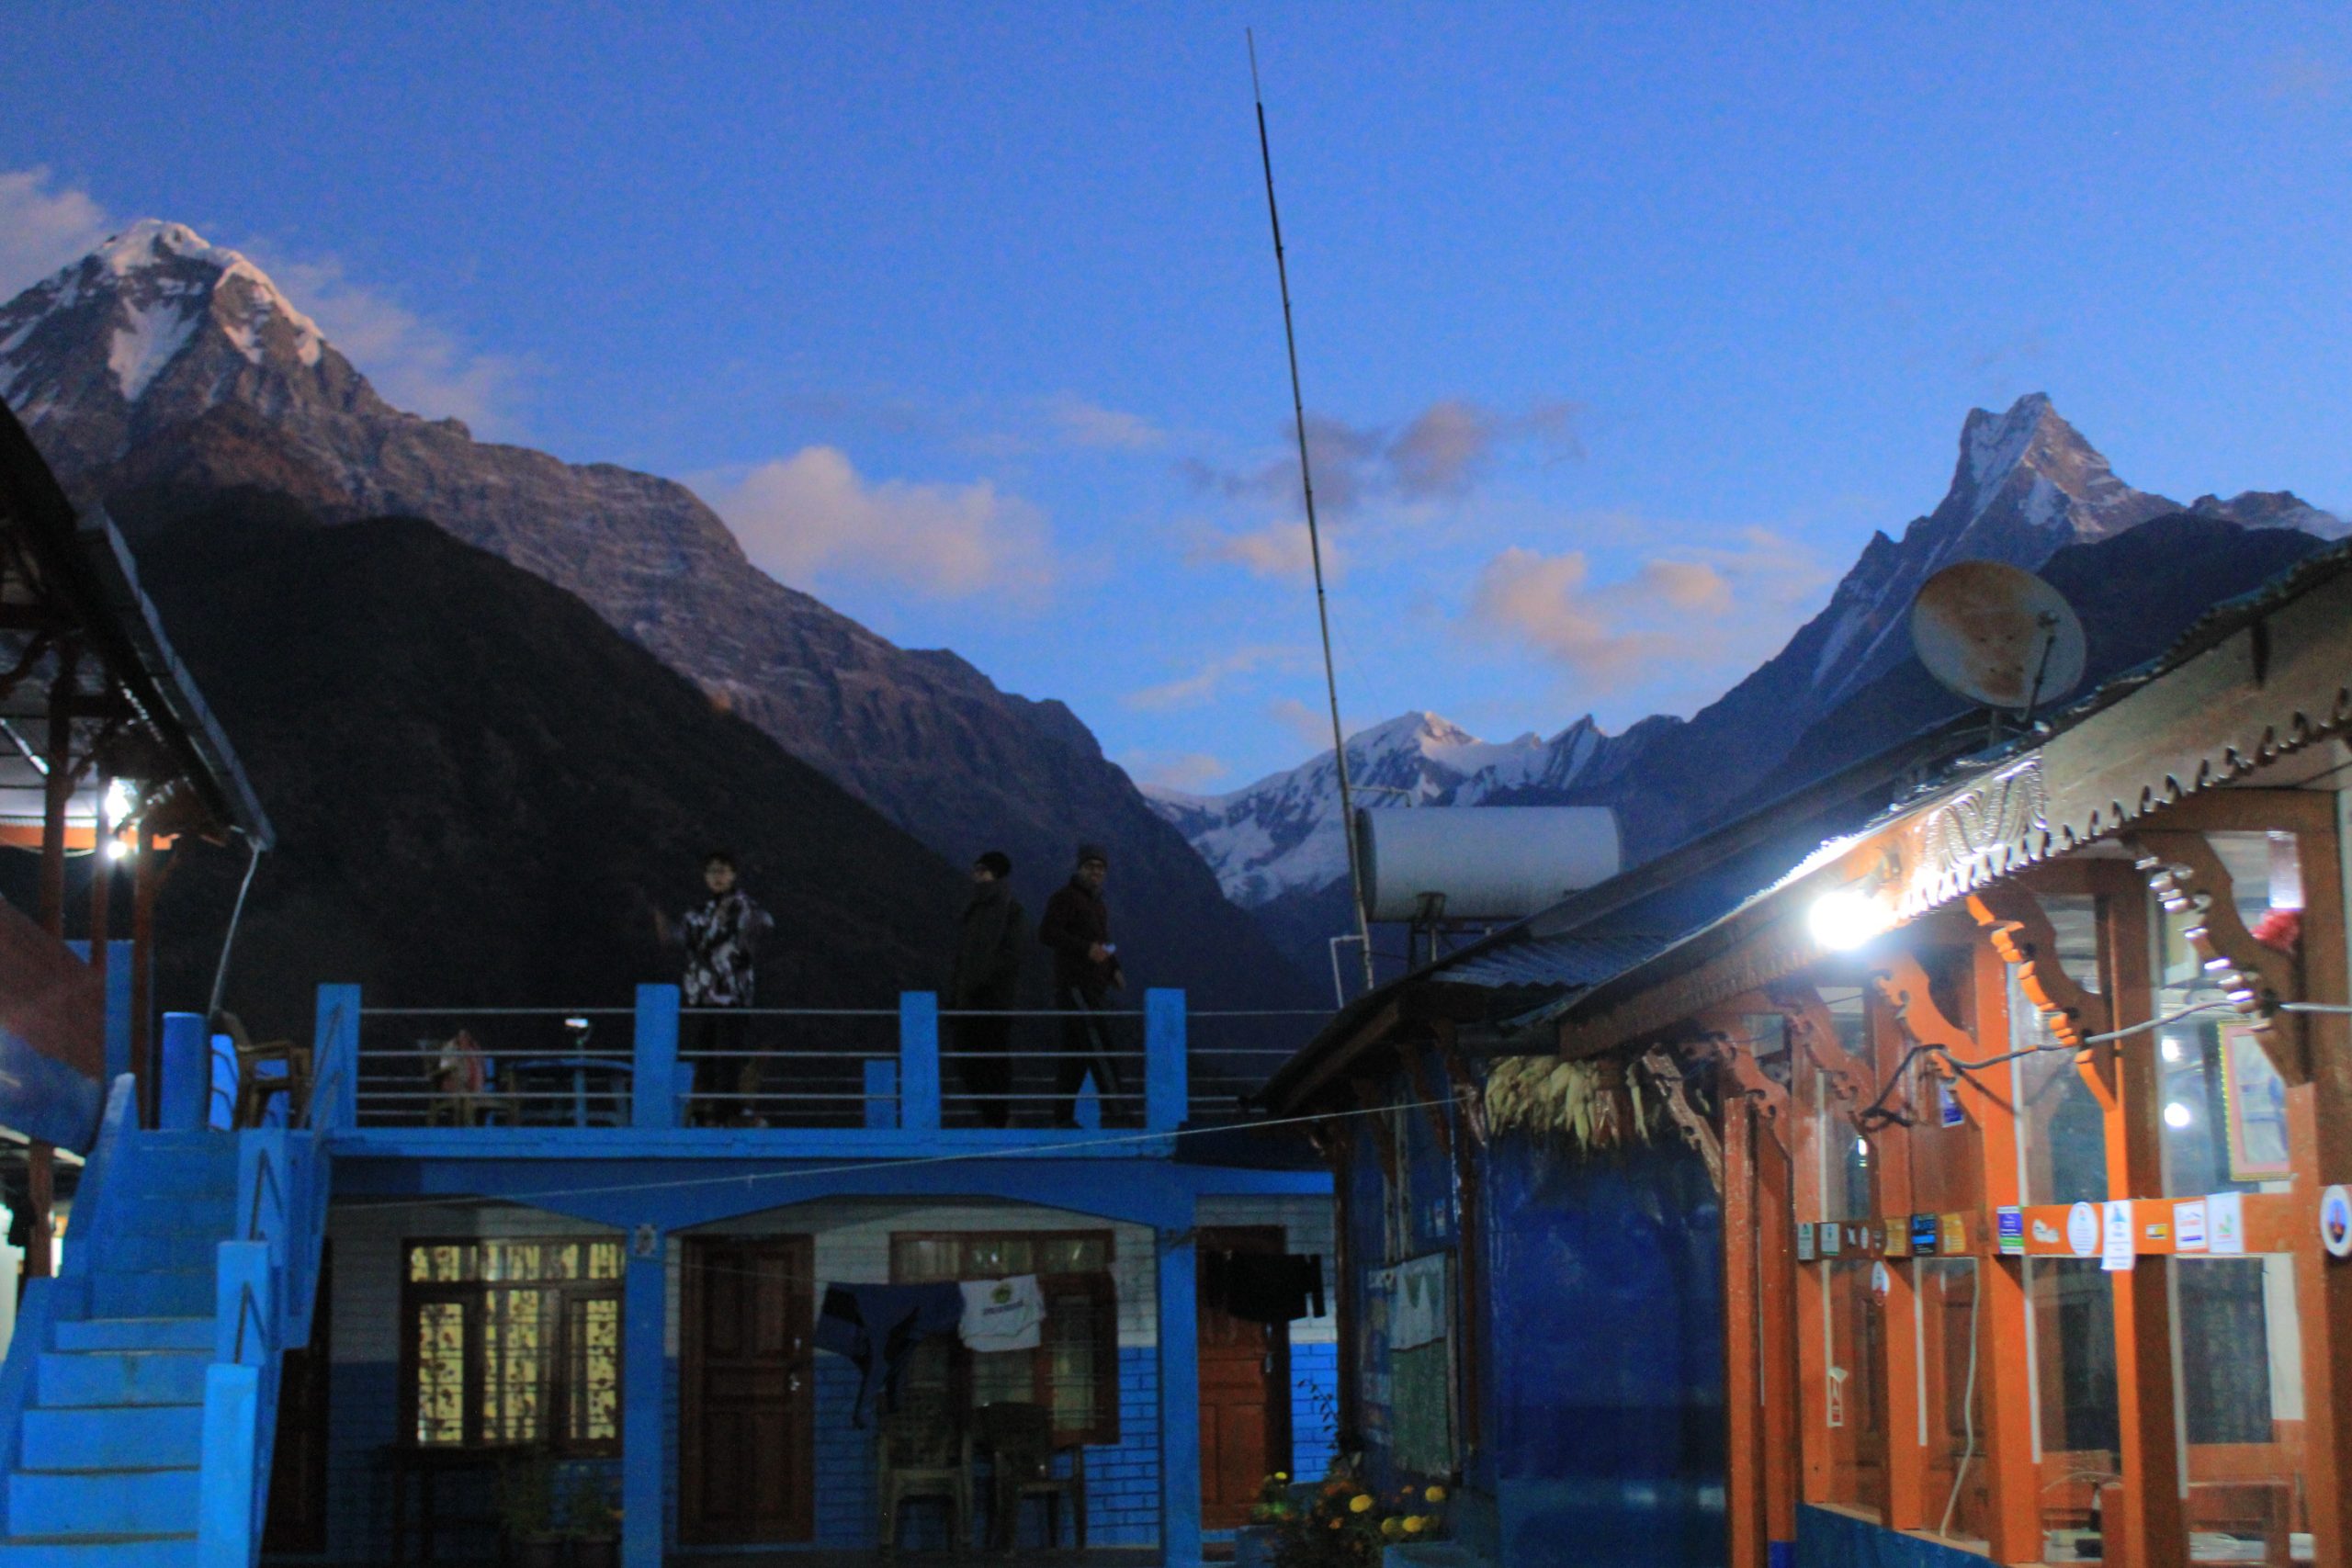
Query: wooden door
(1245, 1394)
(747, 1391)
(297, 1521)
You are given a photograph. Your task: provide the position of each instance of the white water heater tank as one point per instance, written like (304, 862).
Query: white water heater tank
(1488, 862)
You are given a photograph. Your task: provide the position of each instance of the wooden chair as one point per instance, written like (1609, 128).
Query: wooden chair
(456, 1074)
(253, 1087)
(1020, 1441)
(923, 1453)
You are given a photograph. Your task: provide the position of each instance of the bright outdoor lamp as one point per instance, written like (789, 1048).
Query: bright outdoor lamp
(1845, 918)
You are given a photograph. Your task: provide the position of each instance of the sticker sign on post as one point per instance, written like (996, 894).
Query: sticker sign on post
(2008, 1224)
(2118, 1255)
(2188, 1225)
(2082, 1230)
(2225, 1225)
(1805, 1241)
(2336, 1220)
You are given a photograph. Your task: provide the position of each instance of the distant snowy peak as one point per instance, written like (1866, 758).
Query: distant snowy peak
(2031, 462)
(160, 324)
(1283, 832)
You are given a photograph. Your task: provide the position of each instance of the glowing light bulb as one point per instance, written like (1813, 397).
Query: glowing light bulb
(119, 800)
(2170, 1047)
(2176, 1114)
(1846, 918)
(1862, 1148)
(118, 849)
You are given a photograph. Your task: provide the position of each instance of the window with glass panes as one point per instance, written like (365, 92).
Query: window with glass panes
(1074, 1371)
(511, 1340)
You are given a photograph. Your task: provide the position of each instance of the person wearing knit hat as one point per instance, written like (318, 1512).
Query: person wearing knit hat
(1076, 927)
(984, 983)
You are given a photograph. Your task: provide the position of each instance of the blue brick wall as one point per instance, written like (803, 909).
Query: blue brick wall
(1314, 1408)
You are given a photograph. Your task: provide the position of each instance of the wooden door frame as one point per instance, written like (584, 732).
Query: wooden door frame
(1259, 1238)
(690, 1381)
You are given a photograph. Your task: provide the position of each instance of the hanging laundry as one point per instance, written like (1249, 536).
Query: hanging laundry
(1419, 1315)
(884, 1322)
(1263, 1287)
(1003, 1314)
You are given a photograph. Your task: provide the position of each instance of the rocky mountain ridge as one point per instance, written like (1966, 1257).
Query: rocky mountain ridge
(2026, 486)
(162, 364)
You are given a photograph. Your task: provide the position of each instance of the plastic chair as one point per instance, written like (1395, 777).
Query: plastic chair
(924, 1454)
(1020, 1441)
(291, 1076)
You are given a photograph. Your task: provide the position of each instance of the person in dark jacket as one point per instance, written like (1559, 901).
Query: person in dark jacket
(722, 936)
(985, 982)
(1086, 970)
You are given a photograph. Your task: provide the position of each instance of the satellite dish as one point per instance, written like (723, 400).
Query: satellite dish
(1997, 635)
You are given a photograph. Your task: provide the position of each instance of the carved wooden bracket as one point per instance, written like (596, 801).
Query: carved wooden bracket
(2189, 878)
(1469, 1095)
(1696, 1132)
(1735, 1050)
(1904, 985)
(2021, 933)
(1816, 1033)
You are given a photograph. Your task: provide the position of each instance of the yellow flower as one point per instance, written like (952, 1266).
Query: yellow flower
(1335, 1523)
(1359, 1503)
(1415, 1525)
(1435, 1494)
(1390, 1527)
(1282, 1476)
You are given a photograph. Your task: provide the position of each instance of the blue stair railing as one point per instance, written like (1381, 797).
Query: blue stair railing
(266, 1287)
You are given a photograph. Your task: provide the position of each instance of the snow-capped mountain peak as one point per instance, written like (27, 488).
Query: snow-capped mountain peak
(1282, 833)
(155, 326)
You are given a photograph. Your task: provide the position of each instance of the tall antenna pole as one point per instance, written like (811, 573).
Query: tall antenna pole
(1314, 536)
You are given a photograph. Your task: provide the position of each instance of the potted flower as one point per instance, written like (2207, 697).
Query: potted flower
(1345, 1524)
(1254, 1543)
(592, 1522)
(526, 1512)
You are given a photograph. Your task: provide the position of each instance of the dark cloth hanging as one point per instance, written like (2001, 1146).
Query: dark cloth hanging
(884, 1322)
(1263, 1287)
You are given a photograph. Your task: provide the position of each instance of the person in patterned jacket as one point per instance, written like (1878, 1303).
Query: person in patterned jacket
(722, 936)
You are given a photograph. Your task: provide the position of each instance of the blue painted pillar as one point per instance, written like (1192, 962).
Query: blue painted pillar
(179, 1098)
(1165, 1083)
(1180, 1399)
(919, 1061)
(645, 1457)
(118, 1004)
(654, 1102)
(335, 1068)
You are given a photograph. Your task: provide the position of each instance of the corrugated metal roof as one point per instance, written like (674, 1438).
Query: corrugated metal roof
(1554, 962)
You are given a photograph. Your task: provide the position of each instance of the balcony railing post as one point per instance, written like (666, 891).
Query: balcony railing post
(335, 1066)
(919, 1061)
(654, 1071)
(1165, 1085)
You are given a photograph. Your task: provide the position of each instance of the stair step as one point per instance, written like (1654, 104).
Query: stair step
(170, 1550)
(136, 1334)
(138, 1502)
(68, 1378)
(152, 1293)
(96, 1437)
(182, 1250)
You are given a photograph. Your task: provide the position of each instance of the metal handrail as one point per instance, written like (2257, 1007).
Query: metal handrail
(245, 1299)
(267, 1168)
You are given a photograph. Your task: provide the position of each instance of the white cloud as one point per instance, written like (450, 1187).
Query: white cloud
(1188, 772)
(1278, 551)
(415, 363)
(811, 518)
(1189, 691)
(1309, 724)
(1708, 610)
(1442, 453)
(41, 229)
(1084, 423)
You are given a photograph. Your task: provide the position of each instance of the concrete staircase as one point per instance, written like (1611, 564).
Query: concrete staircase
(107, 1468)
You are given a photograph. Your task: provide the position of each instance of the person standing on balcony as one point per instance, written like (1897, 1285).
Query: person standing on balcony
(985, 982)
(722, 936)
(1086, 971)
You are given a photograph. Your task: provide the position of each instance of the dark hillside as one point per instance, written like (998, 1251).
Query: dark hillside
(480, 789)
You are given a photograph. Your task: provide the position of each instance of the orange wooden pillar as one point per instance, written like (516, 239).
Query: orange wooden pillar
(2154, 1526)
(1809, 1289)
(2319, 1132)
(2013, 1533)
(1905, 1503)
(1743, 1393)
(1776, 1290)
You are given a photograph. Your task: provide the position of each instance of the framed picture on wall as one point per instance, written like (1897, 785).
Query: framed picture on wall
(2255, 1100)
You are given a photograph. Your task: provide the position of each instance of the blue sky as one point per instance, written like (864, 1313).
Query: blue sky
(1624, 324)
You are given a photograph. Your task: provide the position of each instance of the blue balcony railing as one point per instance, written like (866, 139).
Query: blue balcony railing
(658, 1067)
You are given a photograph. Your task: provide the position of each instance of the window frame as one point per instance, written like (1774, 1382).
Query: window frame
(556, 1315)
(1099, 1285)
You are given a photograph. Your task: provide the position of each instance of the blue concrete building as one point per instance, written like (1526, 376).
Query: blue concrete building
(355, 1328)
